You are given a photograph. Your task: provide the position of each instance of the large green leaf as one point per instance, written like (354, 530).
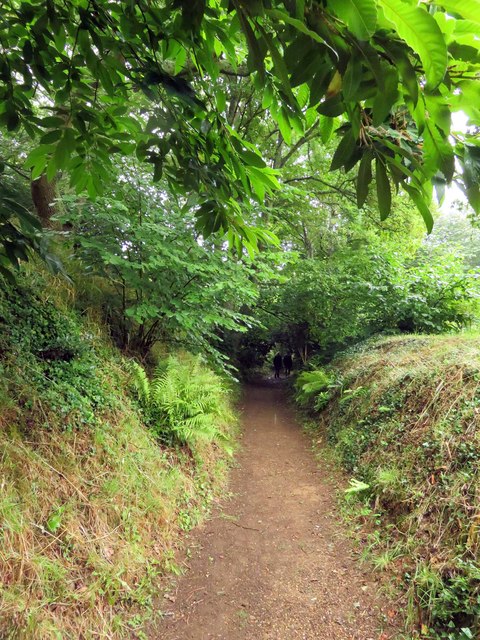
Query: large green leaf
(326, 128)
(364, 178)
(471, 175)
(406, 71)
(384, 193)
(385, 99)
(420, 31)
(344, 151)
(279, 65)
(422, 206)
(298, 24)
(438, 152)
(359, 15)
(468, 9)
(305, 69)
(281, 118)
(332, 106)
(352, 78)
(257, 55)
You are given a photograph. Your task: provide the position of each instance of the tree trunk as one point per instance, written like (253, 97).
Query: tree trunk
(43, 196)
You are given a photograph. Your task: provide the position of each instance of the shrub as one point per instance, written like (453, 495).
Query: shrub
(50, 357)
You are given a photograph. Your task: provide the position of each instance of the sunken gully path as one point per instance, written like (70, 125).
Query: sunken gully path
(274, 564)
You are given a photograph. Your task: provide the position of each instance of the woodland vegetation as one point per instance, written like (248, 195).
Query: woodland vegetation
(185, 187)
(400, 414)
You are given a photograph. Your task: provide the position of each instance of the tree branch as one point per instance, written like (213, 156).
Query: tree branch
(348, 194)
(305, 138)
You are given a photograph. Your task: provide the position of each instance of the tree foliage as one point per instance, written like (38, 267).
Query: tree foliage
(156, 278)
(90, 80)
(237, 111)
(365, 285)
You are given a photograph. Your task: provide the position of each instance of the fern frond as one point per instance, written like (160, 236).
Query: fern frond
(140, 382)
(186, 400)
(313, 384)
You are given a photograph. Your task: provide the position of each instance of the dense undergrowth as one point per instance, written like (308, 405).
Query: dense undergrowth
(94, 488)
(402, 415)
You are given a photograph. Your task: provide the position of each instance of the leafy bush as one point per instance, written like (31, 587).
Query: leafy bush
(157, 282)
(50, 357)
(435, 293)
(185, 401)
(326, 305)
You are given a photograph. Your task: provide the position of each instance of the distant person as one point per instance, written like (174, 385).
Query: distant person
(287, 363)
(277, 364)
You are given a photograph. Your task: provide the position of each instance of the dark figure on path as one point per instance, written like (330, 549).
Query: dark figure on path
(277, 363)
(287, 363)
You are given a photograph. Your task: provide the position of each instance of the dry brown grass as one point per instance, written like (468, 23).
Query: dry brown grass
(406, 421)
(89, 518)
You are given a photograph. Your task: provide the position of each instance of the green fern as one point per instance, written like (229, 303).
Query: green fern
(314, 385)
(185, 401)
(140, 383)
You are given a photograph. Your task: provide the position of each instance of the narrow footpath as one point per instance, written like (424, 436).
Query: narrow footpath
(274, 564)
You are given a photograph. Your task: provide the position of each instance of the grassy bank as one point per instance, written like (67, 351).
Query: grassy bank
(402, 415)
(95, 484)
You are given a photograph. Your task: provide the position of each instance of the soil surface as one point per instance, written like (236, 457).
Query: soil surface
(273, 564)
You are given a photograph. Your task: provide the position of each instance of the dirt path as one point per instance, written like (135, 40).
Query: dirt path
(274, 564)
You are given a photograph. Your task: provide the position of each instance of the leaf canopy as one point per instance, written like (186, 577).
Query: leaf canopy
(92, 83)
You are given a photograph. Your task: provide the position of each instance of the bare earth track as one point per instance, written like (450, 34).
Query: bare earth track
(274, 565)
